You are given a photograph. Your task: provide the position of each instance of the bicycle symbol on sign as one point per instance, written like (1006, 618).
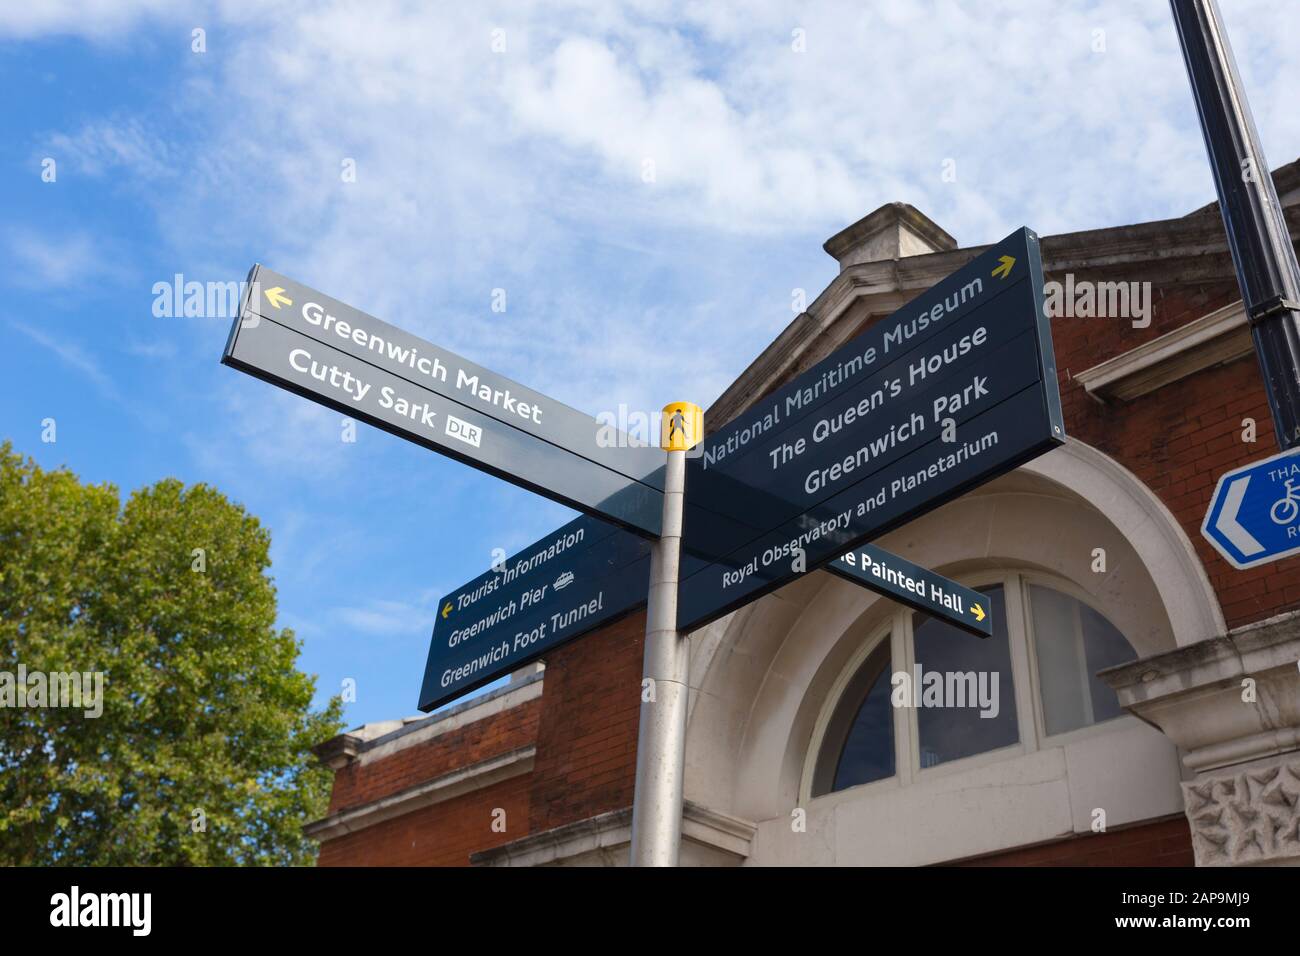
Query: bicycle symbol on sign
(1285, 510)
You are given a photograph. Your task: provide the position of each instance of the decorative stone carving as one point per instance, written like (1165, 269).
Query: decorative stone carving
(1246, 815)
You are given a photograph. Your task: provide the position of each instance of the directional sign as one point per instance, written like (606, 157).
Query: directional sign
(1254, 515)
(586, 574)
(320, 348)
(917, 587)
(954, 389)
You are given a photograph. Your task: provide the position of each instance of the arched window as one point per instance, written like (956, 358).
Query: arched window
(954, 696)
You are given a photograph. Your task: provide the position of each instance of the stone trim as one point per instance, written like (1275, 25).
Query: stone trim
(607, 835)
(1166, 552)
(465, 780)
(1218, 338)
(607, 838)
(376, 741)
(718, 829)
(1252, 649)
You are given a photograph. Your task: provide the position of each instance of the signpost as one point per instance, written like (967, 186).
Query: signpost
(320, 348)
(954, 389)
(665, 674)
(1254, 515)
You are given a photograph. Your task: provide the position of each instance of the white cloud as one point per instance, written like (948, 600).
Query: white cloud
(72, 354)
(40, 261)
(158, 350)
(275, 431)
(93, 19)
(478, 170)
(381, 618)
(101, 146)
(522, 170)
(84, 361)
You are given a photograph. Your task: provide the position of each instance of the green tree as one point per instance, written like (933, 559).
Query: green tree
(206, 719)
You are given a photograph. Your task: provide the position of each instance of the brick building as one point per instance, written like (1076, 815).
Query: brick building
(1094, 560)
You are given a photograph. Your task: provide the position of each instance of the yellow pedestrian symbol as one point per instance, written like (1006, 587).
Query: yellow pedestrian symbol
(678, 425)
(682, 426)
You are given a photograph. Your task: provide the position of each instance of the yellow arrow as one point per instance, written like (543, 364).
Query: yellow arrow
(1005, 268)
(277, 297)
(446, 610)
(977, 611)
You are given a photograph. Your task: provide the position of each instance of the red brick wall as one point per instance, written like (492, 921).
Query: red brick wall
(1162, 843)
(584, 727)
(492, 736)
(1180, 438)
(586, 742)
(444, 834)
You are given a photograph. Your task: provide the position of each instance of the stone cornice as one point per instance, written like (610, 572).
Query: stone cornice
(1224, 701)
(893, 231)
(378, 740)
(608, 836)
(1214, 339)
(464, 780)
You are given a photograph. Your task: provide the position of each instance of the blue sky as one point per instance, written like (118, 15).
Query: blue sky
(520, 169)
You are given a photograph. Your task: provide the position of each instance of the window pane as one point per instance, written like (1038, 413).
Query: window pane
(1105, 647)
(1060, 671)
(1073, 642)
(858, 745)
(961, 677)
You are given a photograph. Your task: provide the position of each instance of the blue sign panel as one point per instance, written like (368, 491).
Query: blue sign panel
(579, 577)
(1254, 516)
(917, 587)
(957, 387)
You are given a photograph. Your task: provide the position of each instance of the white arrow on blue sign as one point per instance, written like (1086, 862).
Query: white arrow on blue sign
(1254, 515)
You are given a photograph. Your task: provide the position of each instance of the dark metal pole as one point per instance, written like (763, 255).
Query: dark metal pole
(1257, 233)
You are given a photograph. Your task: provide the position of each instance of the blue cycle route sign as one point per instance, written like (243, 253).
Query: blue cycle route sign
(1254, 515)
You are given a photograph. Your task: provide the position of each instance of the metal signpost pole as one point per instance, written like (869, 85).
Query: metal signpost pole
(661, 736)
(1257, 232)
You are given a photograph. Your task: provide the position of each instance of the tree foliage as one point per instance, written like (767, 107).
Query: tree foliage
(201, 755)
